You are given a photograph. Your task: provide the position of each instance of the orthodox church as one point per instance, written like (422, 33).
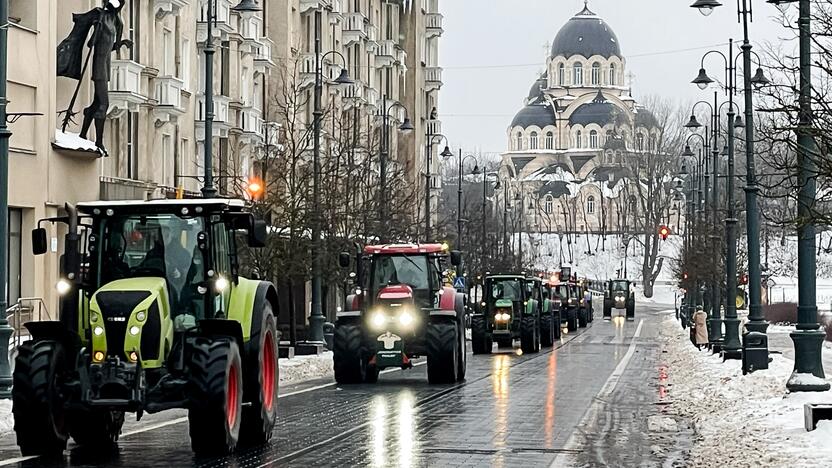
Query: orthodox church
(573, 144)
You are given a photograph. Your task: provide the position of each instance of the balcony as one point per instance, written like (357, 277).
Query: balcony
(307, 69)
(434, 127)
(126, 86)
(433, 78)
(116, 188)
(337, 13)
(168, 94)
(263, 61)
(386, 54)
(163, 8)
(222, 119)
(306, 5)
(354, 94)
(371, 96)
(250, 30)
(226, 23)
(433, 25)
(372, 38)
(251, 123)
(355, 28)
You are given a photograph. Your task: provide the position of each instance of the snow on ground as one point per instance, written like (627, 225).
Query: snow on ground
(6, 419)
(741, 420)
(302, 368)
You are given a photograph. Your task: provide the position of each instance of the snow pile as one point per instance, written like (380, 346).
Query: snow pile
(6, 418)
(73, 141)
(302, 368)
(741, 420)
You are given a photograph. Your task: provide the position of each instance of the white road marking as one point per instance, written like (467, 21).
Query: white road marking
(12, 461)
(609, 386)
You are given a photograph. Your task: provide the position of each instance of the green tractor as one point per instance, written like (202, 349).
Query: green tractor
(551, 302)
(549, 321)
(509, 311)
(618, 295)
(153, 316)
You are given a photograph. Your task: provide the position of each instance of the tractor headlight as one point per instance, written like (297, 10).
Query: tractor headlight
(378, 319)
(63, 286)
(221, 284)
(502, 317)
(141, 316)
(93, 317)
(406, 318)
(134, 330)
(98, 331)
(619, 298)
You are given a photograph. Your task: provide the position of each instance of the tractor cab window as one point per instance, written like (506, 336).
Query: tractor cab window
(402, 269)
(562, 291)
(507, 289)
(619, 286)
(145, 246)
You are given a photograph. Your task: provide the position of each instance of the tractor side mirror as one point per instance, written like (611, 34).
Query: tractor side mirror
(344, 259)
(257, 234)
(456, 258)
(39, 241)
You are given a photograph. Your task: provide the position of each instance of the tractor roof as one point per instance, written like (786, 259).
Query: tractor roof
(506, 276)
(194, 205)
(406, 249)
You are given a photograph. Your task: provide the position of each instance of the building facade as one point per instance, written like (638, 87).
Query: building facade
(155, 134)
(573, 147)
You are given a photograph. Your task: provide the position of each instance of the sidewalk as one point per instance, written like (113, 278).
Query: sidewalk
(741, 420)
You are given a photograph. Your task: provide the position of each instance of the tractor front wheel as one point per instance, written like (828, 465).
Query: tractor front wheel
(37, 403)
(582, 320)
(261, 382)
(348, 360)
(96, 427)
(529, 338)
(216, 396)
(547, 331)
(443, 352)
(558, 325)
(480, 338)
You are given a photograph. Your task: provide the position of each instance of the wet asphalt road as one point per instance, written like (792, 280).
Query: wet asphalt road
(583, 403)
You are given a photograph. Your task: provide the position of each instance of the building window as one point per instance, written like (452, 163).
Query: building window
(518, 143)
(134, 30)
(596, 74)
(533, 141)
(549, 206)
(550, 140)
(168, 164)
(578, 138)
(653, 144)
(15, 253)
(578, 74)
(640, 142)
(612, 74)
(562, 74)
(619, 158)
(590, 205)
(132, 145)
(593, 139)
(225, 69)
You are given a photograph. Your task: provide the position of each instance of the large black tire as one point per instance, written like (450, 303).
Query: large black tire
(529, 338)
(39, 417)
(547, 331)
(582, 320)
(215, 390)
(631, 310)
(558, 325)
(480, 338)
(462, 356)
(442, 349)
(572, 321)
(96, 427)
(261, 381)
(348, 358)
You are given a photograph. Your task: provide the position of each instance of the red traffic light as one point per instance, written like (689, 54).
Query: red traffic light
(684, 276)
(743, 279)
(664, 232)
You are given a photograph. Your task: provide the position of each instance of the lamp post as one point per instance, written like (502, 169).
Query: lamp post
(459, 197)
(756, 318)
(446, 153)
(405, 127)
(5, 135)
(808, 339)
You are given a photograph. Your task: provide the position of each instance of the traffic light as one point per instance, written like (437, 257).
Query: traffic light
(743, 279)
(684, 276)
(664, 232)
(255, 189)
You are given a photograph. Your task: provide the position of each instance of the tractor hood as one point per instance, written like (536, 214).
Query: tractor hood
(503, 303)
(398, 292)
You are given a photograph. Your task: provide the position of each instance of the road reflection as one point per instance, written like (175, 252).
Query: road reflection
(549, 423)
(500, 385)
(392, 436)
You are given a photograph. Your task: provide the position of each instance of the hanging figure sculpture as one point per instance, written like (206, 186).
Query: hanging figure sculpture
(106, 39)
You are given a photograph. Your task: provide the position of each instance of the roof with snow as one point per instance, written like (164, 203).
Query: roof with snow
(537, 114)
(536, 92)
(586, 34)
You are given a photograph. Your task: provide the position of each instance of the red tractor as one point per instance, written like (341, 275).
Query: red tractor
(400, 310)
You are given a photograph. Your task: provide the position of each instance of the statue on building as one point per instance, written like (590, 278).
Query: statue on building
(106, 38)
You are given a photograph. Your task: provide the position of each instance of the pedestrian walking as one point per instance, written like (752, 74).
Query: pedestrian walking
(700, 321)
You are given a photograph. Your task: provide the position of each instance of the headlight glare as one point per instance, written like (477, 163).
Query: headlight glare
(406, 318)
(98, 331)
(63, 286)
(378, 319)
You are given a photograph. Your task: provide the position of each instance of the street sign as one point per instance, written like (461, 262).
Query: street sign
(459, 282)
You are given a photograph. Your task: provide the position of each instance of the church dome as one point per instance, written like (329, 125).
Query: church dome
(586, 34)
(536, 92)
(537, 114)
(598, 111)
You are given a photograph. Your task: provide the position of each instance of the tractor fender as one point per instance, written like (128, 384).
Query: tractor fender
(247, 301)
(459, 304)
(451, 314)
(54, 331)
(353, 301)
(447, 298)
(222, 328)
(531, 306)
(346, 315)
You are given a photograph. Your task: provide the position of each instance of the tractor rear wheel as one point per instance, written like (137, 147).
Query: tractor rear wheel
(261, 382)
(96, 427)
(529, 338)
(547, 332)
(582, 321)
(572, 320)
(480, 339)
(216, 396)
(348, 359)
(462, 355)
(443, 352)
(37, 404)
(558, 325)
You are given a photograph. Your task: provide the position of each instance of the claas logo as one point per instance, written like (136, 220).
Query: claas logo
(664, 232)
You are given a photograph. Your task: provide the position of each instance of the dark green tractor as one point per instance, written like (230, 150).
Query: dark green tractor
(154, 315)
(508, 311)
(618, 296)
(549, 321)
(551, 303)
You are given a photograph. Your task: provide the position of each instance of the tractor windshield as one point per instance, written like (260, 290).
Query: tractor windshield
(412, 271)
(158, 245)
(562, 291)
(507, 289)
(620, 286)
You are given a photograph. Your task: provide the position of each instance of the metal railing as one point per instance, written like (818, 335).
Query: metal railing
(26, 309)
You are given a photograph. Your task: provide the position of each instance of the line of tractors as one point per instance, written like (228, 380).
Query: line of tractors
(155, 315)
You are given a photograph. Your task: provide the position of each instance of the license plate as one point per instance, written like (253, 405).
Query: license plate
(390, 350)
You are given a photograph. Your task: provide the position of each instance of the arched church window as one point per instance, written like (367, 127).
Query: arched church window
(533, 141)
(518, 144)
(612, 74)
(550, 141)
(549, 206)
(596, 74)
(562, 74)
(578, 138)
(653, 144)
(619, 157)
(640, 142)
(593, 139)
(590, 205)
(578, 74)
(610, 136)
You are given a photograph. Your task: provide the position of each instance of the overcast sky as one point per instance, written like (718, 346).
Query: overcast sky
(493, 50)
